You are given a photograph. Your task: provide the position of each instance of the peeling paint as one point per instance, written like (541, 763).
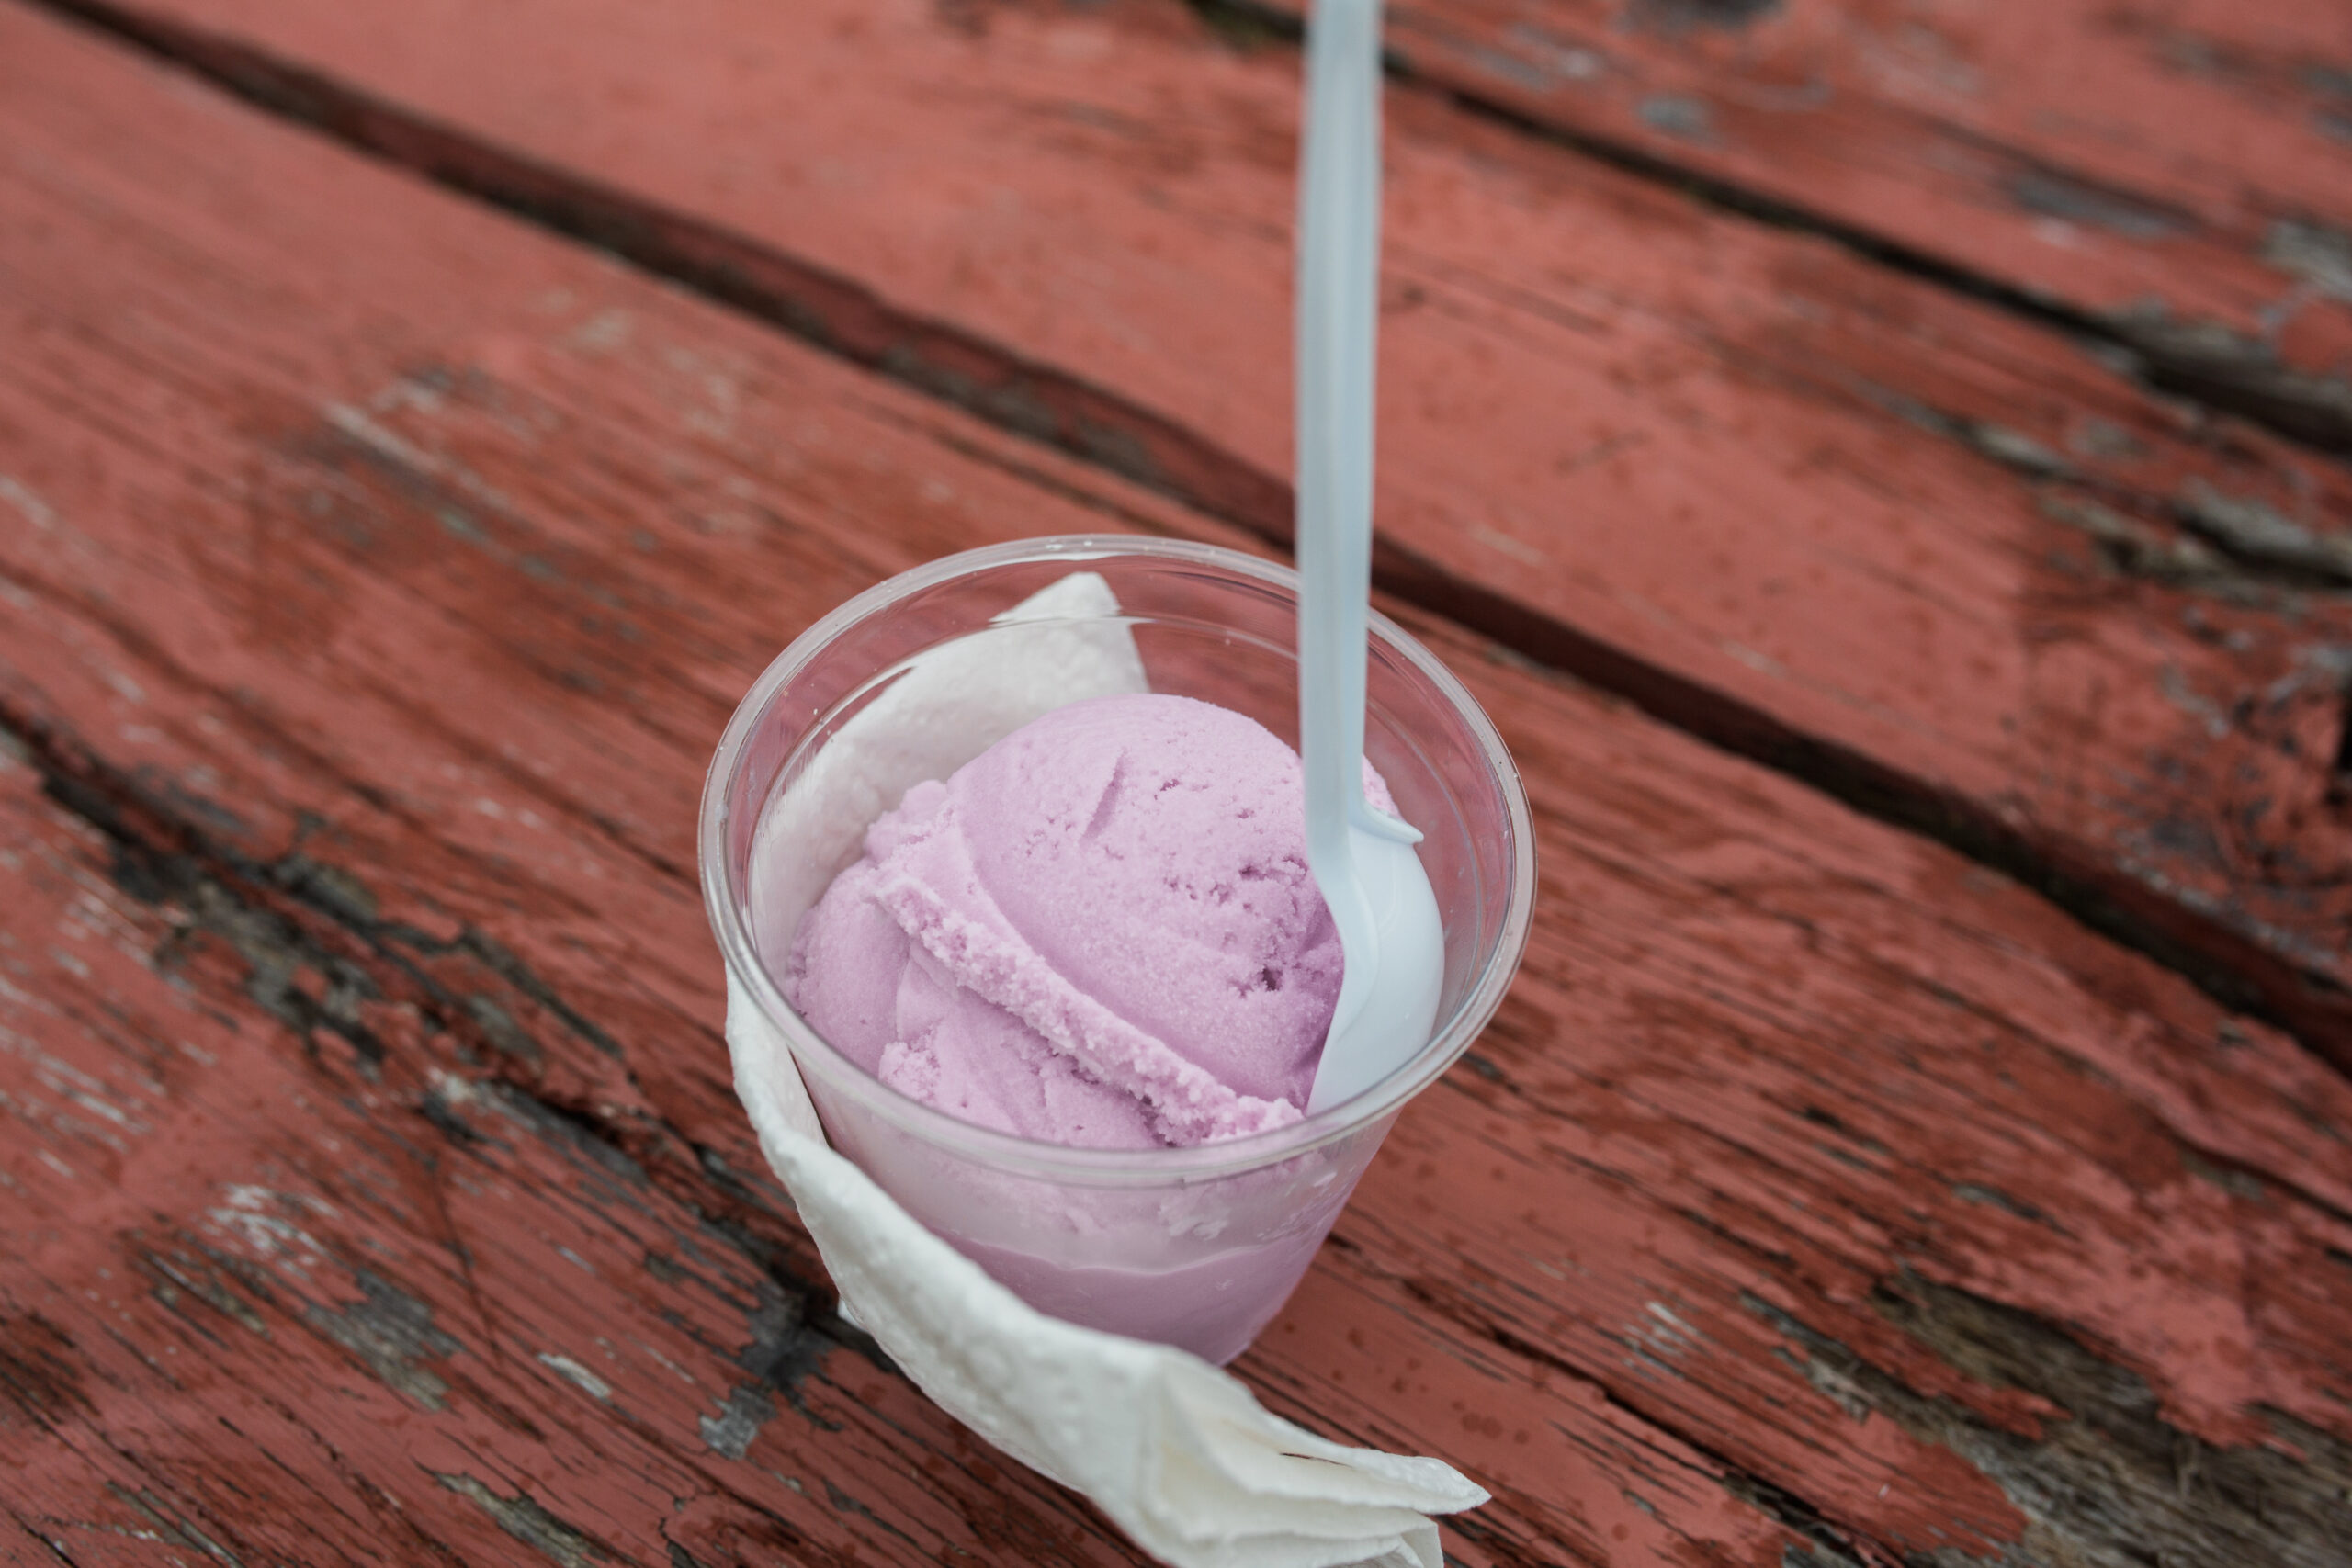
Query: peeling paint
(392, 1331)
(527, 1522)
(577, 1375)
(33, 509)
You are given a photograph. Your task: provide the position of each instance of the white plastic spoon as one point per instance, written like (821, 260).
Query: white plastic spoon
(1363, 859)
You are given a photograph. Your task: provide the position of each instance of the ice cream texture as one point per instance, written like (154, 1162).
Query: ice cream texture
(1101, 932)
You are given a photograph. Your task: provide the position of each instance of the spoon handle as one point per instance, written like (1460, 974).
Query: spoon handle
(1338, 327)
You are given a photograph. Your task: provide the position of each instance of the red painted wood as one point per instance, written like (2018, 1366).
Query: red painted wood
(255, 1301)
(2138, 162)
(1787, 497)
(556, 599)
(396, 566)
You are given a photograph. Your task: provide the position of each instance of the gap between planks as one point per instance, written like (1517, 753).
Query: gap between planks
(1042, 403)
(2174, 358)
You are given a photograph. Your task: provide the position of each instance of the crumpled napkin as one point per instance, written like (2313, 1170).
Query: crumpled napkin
(1177, 1451)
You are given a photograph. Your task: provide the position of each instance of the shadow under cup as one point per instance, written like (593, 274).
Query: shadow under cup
(1196, 1247)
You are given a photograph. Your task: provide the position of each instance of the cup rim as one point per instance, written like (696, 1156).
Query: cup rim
(728, 905)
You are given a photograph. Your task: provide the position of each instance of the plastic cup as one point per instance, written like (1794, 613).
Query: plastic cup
(1196, 1247)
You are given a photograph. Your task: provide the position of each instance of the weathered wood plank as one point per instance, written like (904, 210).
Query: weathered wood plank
(271, 1297)
(386, 574)
(1925, 554)
(389, 1076)
(2178, 175)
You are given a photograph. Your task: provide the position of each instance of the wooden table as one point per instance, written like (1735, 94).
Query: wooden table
(1880, 464)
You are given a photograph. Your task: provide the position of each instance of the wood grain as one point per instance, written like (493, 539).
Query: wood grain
(385, 573)
(1920, 552)
(534, 987)
(2178, 177)
(277, 1295)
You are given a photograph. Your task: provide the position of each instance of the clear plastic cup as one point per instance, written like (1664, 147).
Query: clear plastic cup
(1200, 1247)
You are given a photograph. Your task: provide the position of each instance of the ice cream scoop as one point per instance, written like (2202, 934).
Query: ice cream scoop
(1102, 932)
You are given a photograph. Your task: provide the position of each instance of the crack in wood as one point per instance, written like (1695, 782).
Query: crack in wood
(390, 1328)
(522, 1517)
(2260, 537)
(1832, 1545)
(39, 1373)
(2340, 765)
(162, 855)
(1682, 15)
(834, 314)
(2229, 371)
(176, 1530)
(392, 1331)
(2236, 548)
(198, 1271)
(2109, 1482)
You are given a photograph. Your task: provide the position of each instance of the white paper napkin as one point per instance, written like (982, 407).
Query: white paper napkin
(1177, 1451)
(1062, 643)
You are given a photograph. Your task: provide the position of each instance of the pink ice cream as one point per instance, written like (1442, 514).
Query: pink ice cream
(1101, 932)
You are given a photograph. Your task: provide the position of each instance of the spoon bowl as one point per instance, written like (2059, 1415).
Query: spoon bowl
(1394, 941)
